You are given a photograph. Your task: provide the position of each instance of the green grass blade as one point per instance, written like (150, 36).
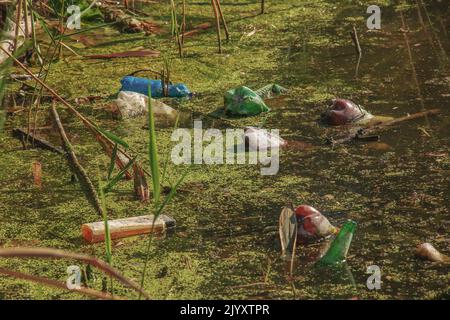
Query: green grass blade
(111, 183)
(44, 26)
(153, 152)
(86, 30)
(166, 160)
(113, 161)
(113, 137)
(108, 242)
(171, 194)
(108, 247)
(4, 77)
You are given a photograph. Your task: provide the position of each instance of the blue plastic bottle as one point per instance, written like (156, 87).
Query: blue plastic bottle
(140, 85)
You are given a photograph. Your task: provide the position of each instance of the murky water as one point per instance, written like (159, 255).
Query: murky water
(397, 189)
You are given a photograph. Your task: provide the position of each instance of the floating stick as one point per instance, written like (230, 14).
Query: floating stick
(219, 7)
(354, 35)
(216, 15)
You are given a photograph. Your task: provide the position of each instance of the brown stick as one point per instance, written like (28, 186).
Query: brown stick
(59, 285)
(183, 24)
(18, 18)
(216, 15)
(263, 7)
(22, 135)
(77, 169)
(197, 29)
(361, 133)
(25, 14)
(219, 7)
(405, 118)
(49, 253)
(354, 35)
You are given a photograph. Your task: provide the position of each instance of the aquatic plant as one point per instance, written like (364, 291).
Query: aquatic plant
(158, 207)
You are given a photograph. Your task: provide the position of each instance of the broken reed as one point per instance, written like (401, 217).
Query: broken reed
(176, 30)
(165, 75)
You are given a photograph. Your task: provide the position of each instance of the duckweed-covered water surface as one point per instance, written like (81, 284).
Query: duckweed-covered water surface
(226, 243)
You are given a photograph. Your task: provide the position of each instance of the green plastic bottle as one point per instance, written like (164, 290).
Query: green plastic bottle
(340, 246)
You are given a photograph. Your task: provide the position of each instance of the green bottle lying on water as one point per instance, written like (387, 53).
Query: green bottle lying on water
(337, 252)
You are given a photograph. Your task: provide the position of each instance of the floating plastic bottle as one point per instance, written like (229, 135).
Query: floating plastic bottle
(140, 85)
(244, 101)
(338, 250)
(312, 224)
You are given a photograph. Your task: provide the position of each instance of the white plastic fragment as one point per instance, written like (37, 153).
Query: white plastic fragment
(132, 104)
(260, 139)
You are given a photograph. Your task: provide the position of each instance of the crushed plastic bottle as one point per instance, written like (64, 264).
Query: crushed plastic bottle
(132, 104)
(312, 225)
(244, 101)
(261, 140)
(270, 90)
(140, 85)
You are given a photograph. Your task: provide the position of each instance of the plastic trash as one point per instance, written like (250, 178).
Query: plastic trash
(259, 139)
(427, 251)
(140, 85)
(288, 231)
(312, 225)
(132, 104)
(343, 111)
(246, 102)
(338, 250)
(270, 90)
(127, 227)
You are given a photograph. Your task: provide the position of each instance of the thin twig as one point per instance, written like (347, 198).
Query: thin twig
(48, 253)
(222, 18)
(354, 35)
(216, 15)
(59, 285)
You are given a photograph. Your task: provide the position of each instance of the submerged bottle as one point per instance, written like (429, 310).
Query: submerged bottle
(340, 245)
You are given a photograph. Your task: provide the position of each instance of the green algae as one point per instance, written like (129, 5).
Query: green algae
(225, 235)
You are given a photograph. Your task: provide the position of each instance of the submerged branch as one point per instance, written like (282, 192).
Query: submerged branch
(363, 133)
(77, 169)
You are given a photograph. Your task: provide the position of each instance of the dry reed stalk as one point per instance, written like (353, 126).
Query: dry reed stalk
(222, 18)
(216, 15)
(48, 253)
(59, 285)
